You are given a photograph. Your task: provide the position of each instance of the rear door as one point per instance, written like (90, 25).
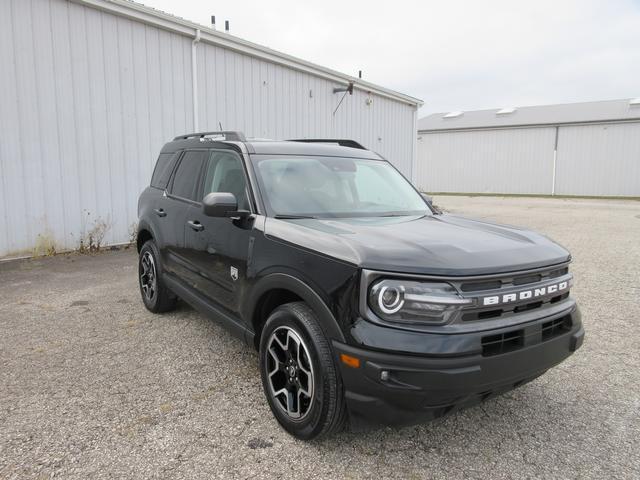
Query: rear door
(180, 196)
(153, 205)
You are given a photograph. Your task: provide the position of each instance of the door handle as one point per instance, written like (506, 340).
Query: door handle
(160, 212)
(195, 225)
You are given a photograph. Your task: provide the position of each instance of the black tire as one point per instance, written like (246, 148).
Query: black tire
(325, 413)
(161, 298)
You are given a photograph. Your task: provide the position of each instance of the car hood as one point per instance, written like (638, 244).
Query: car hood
(438, 245)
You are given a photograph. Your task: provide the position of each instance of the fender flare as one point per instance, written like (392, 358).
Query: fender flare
(145, 225)
(273, 281)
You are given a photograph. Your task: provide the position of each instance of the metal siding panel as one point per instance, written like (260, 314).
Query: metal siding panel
(220, 91)
(230, 97)
(154, 92)
(490, 161)
(599, 160)
(145, 155)
(206, 84)
(47, 188)
(83, 120)
(101, 174)
(12, 237)
(34, 93)
(112, 217)
(128, 124)
(63, 187)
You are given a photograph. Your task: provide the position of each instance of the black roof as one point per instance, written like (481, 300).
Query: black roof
(318, 147)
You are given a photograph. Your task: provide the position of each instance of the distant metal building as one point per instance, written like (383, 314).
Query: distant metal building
(590, 149)
(91, 90)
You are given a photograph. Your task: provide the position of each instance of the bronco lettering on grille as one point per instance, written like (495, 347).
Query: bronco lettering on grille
(526, 294)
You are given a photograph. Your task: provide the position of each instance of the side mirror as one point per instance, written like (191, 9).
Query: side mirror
(219, 204)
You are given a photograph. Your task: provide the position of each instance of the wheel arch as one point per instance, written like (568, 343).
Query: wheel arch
(145, 233)
(279, 288)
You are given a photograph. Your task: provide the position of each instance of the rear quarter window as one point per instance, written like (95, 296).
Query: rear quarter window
(162, 172)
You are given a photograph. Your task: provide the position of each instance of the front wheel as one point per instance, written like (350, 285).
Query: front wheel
(299, 376)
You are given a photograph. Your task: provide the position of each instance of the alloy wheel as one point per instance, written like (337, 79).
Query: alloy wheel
(148, 278)
(290, 372)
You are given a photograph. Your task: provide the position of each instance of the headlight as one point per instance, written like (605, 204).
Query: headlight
(415, 302)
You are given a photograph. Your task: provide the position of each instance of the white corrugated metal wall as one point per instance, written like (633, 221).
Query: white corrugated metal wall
(89, 98)
(591, 160)
(599, 160)
(486, 161)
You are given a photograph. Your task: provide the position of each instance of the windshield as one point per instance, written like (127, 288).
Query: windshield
(335, 187)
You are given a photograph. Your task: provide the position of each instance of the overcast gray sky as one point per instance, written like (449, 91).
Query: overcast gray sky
(454, 55)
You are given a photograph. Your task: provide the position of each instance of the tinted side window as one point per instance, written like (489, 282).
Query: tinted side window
(162, 172)
(225, 174)
(185, 180)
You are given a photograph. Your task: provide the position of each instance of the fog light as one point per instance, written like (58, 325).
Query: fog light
(384, 375)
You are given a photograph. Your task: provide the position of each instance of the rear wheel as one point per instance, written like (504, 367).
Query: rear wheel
(155, 295)
(299, 376)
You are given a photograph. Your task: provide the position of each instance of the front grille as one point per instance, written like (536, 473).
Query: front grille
(511, 283)
(514, 279)
(494, 313)
(556, 327)
(479, 286)
(502, 343)
(528, 279)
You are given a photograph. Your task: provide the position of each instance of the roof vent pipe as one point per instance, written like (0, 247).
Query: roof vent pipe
(213, 22)
(226, 26)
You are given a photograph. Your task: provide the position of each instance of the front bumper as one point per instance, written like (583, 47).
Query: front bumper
(422, 387)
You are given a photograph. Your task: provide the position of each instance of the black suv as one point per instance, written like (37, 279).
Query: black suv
(365, 303)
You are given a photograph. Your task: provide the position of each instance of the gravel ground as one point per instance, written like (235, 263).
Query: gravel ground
(94, 386)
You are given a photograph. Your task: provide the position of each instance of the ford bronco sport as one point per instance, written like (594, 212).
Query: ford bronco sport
(364, 302)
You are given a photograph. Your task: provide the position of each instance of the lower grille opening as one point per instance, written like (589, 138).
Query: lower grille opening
(502, 343)
(556, 327)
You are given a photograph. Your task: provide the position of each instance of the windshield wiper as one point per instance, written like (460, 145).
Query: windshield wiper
(291, 217)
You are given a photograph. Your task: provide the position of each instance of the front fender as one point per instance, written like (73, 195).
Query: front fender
(328, 322)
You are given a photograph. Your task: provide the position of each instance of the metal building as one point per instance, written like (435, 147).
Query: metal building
(91, 89)
(590, 149)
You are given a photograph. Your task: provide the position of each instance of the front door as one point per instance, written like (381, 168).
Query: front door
(218, 247)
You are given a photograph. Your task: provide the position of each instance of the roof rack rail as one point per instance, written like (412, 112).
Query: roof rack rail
(228, 135)
(341, 142)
